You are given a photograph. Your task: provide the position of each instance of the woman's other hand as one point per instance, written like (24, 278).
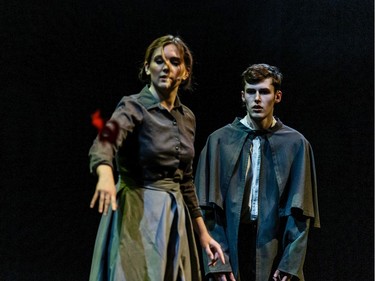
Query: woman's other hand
(105, 190)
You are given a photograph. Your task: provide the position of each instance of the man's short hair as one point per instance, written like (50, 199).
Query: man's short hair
(256, 73)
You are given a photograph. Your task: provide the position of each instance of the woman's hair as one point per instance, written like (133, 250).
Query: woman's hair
(184, 52)
(258, 72)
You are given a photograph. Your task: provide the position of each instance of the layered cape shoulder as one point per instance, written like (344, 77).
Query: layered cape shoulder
(292, 158)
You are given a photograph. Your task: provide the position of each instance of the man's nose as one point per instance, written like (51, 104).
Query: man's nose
(257, 95)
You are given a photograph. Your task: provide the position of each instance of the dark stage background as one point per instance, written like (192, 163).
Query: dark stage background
(62, 60)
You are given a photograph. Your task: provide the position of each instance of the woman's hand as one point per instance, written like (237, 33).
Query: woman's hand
(212, 248)
(105, 190)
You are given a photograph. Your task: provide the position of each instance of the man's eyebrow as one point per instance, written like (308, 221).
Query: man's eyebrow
(258, 89)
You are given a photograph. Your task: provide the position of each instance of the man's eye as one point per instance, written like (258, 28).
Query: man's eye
(264, 92)
(250, 92)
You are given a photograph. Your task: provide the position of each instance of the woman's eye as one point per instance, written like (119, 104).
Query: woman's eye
(159, 61)
(175, 62)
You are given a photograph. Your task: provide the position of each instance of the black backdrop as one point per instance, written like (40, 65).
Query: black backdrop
(62, 60)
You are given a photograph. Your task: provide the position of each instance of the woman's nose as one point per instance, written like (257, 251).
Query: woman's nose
(166, 66)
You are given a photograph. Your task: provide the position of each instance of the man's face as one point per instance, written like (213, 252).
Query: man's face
(260, 99)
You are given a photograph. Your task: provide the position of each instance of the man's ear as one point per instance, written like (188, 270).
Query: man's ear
(243, 96)
(278, 96)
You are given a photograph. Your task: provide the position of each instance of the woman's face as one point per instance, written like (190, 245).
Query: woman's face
(166, 69)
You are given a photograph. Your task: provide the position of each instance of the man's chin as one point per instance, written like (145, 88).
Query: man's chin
(257, 116)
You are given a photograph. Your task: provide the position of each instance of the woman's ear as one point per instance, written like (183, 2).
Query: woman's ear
(186, 75)
(147, 68)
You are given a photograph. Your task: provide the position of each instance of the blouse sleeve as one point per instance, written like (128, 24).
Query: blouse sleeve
(126, 115)
(190, 195)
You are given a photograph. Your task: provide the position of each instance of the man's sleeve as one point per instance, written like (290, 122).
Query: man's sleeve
(208, 190)
(215, 221)
(301, 210)
(294, 243)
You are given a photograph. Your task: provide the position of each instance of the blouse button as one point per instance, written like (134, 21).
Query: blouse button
(177, 148)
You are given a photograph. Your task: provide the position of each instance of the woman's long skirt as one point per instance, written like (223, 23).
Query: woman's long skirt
(149, 237)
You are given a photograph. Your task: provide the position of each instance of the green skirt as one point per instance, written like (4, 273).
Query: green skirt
(149, 237)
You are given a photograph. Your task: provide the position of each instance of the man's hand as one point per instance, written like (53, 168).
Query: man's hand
(227, 276)
(281, 276)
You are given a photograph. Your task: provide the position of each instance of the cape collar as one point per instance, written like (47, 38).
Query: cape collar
(237, 123)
